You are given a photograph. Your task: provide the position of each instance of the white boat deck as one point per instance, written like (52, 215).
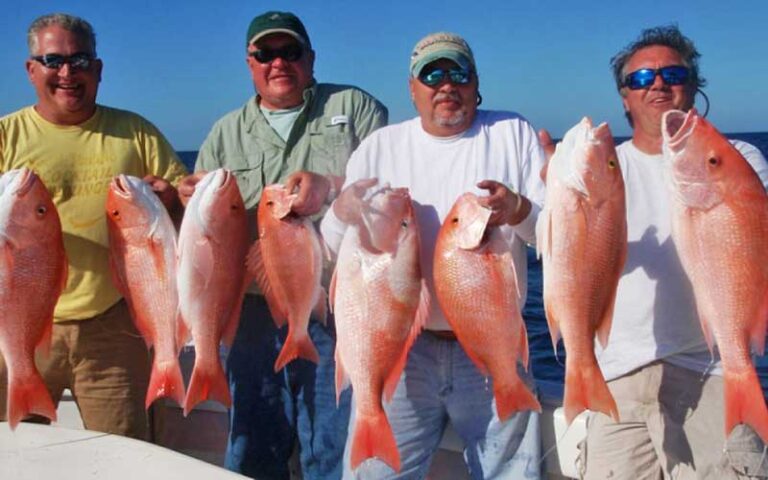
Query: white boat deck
(191, 448)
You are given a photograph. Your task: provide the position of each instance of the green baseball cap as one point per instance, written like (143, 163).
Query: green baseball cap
(277, 22)
(441, 45)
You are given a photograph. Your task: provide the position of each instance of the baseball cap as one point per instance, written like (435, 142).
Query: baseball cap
(277, 22)
(441, 45)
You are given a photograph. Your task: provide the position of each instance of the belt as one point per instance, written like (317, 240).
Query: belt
(442, 334)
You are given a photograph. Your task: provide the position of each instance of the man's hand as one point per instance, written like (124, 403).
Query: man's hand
(313, 190)
(546, 142)
(187, 186)
(165, 191)
(508, 207)
(348, 207)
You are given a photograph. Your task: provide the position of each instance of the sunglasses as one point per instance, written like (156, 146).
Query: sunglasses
(77, 61)
(457, 76)
(289, 53)
(644, 78)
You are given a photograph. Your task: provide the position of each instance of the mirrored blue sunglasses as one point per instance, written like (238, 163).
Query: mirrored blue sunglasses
(644, 78)
(457, 76)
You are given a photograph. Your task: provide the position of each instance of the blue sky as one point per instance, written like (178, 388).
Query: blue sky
(181, 63)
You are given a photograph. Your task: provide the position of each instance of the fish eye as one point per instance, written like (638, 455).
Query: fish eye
(404, 224)
(115, 213)
(455, 220)
(713, 161)
(234, 206)
(270, 203)
(611, 163)
(41, 209)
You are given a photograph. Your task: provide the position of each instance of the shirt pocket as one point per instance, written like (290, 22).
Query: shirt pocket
(249, 172)
(331, 148)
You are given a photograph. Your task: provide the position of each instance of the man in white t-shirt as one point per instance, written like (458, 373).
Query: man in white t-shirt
(668, 388)
(449, 149)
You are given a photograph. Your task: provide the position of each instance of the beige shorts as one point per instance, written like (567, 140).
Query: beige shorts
(672, 427)
(105, 363)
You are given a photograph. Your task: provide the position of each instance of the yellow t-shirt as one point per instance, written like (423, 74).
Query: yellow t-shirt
(77, 163)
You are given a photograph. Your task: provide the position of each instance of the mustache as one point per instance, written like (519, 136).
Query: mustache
(452, 96)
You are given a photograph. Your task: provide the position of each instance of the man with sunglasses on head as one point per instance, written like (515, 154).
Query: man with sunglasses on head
(76, 146)
(451, 148)
(297, 132)
(659, 369)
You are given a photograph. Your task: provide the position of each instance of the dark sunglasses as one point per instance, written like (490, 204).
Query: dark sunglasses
(644, 78)
(77, 61)
(289, 53)
(457, 76)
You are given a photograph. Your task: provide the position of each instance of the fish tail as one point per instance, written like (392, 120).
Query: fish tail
(514, 397)
(744, 402)
(373, 437)
(585, 388)
(165, 381)
(207, 382)
(296, 346)
(26, 396)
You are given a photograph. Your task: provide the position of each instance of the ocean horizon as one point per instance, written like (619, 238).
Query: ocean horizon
(548, 368)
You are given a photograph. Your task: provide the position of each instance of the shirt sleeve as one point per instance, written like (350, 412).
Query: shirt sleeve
(531, 184)
(755, 159)
(160, 158)
(371, 115)
(207, 156)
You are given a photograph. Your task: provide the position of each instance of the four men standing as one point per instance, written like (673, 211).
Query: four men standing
(303, 133)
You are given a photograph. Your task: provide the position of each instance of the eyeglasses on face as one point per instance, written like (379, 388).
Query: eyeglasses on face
(289, 53)
(434, 77)
(644, 78)
(77, 61)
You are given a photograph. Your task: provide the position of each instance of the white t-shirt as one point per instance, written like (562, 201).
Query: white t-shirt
(655, 314)
(499, 146)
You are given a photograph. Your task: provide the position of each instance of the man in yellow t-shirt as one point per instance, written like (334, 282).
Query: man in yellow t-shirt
(76, 147)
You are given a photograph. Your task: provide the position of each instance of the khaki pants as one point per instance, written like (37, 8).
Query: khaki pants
(105, 363)
(672, 427)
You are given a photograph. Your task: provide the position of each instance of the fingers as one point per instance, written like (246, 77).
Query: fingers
(548, 145)
(348, 207)
(187, 186)
(312, 192)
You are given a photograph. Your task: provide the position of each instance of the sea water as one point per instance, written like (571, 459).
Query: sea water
(548, 366)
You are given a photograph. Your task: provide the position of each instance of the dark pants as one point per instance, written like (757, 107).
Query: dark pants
(270, 411)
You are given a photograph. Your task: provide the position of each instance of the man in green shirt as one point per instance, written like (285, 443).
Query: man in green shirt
(297, 132)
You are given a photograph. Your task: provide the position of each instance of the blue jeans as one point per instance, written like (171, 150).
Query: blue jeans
(269, 410)
(440, 383)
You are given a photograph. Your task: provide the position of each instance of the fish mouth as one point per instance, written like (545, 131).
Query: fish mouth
(25, 180)
(676, 127)
(120, 185)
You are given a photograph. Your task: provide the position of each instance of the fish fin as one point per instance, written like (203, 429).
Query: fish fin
(604, 329)
(204, 262)
(708, 336)
(543, 233)
(182, 332)
(515, 397)
(481, 366)
(744, 402)
(26, 396)
(165, 381)
(296, 346)
(230, 328)
(523, 345)
(757, 334)
(341, 377)
(554, 326)
(208, 382)
(373, 437)
(332, 290)
(421, 317)
(44, 344)
(117, 272)
(585, 388)
(320, 312)
(257, 270)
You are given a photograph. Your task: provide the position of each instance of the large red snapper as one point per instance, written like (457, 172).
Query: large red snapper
(142, 246)
(287, 262)
(720, 229)
(213, 242)
(476, 287)
(581, 236)
(380, 303)
(33, 273)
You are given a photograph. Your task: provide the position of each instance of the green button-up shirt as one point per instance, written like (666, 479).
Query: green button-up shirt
(332, 122)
